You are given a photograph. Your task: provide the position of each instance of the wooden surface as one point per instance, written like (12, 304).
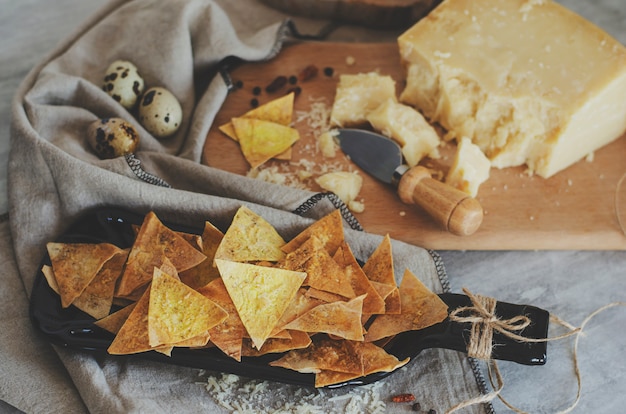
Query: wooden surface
(574, 209)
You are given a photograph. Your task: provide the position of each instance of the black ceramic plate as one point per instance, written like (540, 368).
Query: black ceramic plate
(72, 328)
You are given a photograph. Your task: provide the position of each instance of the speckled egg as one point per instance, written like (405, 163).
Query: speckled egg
(123, 83)
(112, 137)
(160, 112)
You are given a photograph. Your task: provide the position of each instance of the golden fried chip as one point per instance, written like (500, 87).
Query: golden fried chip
(342, 319)
(153, 242)
(263, 140)
(323, 354)
(132, 337)
(296, 340)
(260, 294)
(177, 312)
(373, 303)
(373, 358)
(296, 259)
(114, 321)
(76, 264)
(250, 238)
(329, 229)
(97, 298)
(206, 271)
(421, 308)
(325, 274)
(379, 266)
(227, 335)
(299, 305)
(279, 111)
(323, 296)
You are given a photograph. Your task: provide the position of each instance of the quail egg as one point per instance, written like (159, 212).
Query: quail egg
(112, 137)
(160, 112)
(123, 83)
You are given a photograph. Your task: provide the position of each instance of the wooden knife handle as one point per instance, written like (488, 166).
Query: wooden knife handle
(454, 210)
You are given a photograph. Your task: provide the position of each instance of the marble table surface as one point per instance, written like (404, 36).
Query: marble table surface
(570, 284)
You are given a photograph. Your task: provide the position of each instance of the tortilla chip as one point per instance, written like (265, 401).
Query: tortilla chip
(153, 242)
(177, 312)
(325, 274)
(227, 335)
(296, 259)
(250, 238)
(329, 229)
(205, 272)
(421, 308)
(373, 303)
(97, 298)
(298, 306)
(114, 321)
(263, 140)
(260, 294)
(76, 264)
(297, 340)
(323, 354)
(279, 111)
(376, 359)
(379, 266)
(132, 337)
(49, 275)
(342, 319)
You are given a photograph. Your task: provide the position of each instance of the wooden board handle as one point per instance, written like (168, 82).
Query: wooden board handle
(454, 210)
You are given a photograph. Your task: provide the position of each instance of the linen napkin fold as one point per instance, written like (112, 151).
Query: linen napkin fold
(54, 177)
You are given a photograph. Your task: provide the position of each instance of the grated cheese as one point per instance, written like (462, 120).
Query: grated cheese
(238, 395)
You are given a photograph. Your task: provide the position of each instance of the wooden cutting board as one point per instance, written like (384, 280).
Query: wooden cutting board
(575, 209)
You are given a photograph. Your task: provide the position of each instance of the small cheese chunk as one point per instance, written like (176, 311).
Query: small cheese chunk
(346, 185)
(527, 80)
(408, 128)
(359, 94)
(470, 168)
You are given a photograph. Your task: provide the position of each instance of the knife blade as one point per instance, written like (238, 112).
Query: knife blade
(379, 156)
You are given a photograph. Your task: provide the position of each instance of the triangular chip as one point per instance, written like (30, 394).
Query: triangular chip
(342, 319)
(263, 140)
(379, 266)
(329, 229)
(421, 308)
(323, 354)
(279, 110)
(373, 358)
(114, 321)
(132, 337)
(76, 264)
(178, 313)
(97, 298)
(153, 242)
(206, 271)
(250, 238)
(260, 294)
(373, 303)
(325, 274)
(298, 306)
(227, 335)
(297, 340)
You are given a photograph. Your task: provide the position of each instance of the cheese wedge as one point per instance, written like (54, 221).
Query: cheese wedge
(528, 81)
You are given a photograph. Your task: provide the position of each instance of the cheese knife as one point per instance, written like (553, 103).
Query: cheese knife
(379, 156)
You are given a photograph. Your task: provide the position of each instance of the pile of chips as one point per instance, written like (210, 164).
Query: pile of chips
(248, 293)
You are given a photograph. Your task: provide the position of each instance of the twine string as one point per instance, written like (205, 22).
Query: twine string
(481, 315)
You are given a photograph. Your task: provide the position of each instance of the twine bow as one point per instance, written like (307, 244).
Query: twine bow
(484, 322)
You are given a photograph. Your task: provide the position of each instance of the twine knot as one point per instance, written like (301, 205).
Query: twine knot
(481, 315)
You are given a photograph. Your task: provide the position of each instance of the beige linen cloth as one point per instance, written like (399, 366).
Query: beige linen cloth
(54, 178)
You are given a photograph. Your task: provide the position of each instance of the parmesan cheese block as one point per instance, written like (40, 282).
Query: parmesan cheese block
(529, 81)
(470, 168)
(359, 94)
(408, 128)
